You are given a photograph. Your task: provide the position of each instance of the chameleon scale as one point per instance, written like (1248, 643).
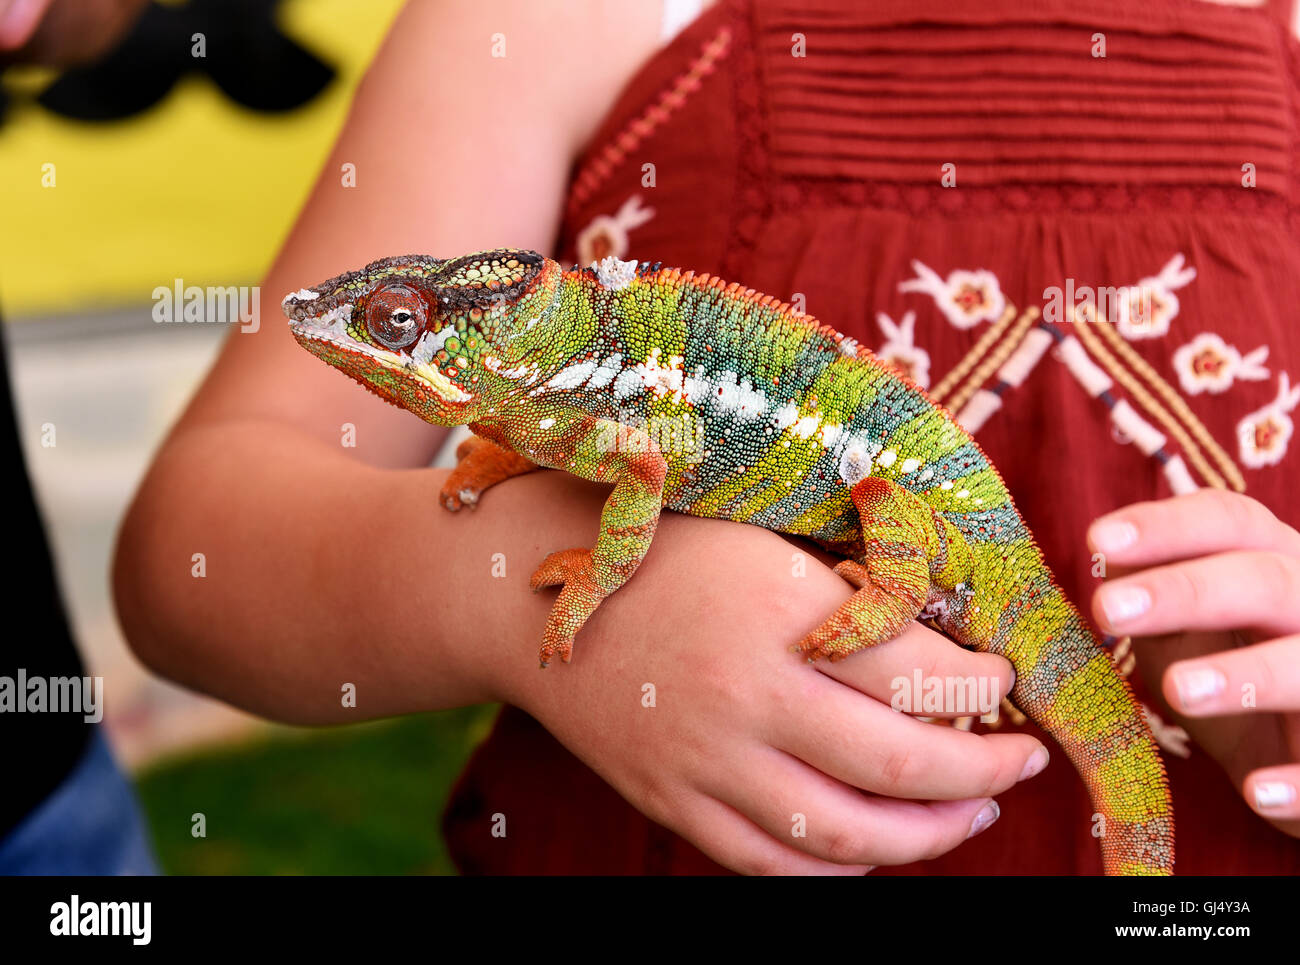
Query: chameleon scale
(688, 392)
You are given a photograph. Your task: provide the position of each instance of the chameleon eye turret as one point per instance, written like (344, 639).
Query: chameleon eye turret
(396, 316)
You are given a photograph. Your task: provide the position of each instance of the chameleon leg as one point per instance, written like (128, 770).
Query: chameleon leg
(907, 547)
(480, 465)
(627, 527)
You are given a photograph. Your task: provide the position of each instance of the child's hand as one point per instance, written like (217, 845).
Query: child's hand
(1213, 574)
(743, 736)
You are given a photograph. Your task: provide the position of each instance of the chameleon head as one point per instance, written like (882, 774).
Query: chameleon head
(424, 333)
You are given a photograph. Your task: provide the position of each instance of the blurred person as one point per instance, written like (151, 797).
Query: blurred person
(67, 809)
(331, 566)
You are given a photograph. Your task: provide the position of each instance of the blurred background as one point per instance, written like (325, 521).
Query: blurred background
(107, 172)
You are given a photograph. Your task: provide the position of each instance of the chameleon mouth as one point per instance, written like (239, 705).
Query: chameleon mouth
(359, 360)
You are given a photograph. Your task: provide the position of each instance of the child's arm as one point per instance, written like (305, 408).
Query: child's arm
(325, 566)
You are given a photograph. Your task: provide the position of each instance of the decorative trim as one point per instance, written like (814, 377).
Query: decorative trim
(616, 150)
(1175, 401)
(995, 358)
(975, 354)
(1148, 402)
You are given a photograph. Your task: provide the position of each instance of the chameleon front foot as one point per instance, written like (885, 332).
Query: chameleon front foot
(481, 465)
(581, 594)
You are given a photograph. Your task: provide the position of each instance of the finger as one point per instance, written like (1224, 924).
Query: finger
(1263, 677)
(921, 663)
(795, 803)
(1222, 592)
(734, 841)
(1274, 792)
(1182, 527)
(867, 745)
(18, 21)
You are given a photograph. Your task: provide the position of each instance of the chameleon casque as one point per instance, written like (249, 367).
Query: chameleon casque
(715, 400)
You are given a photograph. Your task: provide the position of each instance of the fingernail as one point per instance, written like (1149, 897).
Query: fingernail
(1198, 684)
(1037, 761)
(1124, 603)
(988, 814)
(870, 868)
(1113, 535)
(1273, 794)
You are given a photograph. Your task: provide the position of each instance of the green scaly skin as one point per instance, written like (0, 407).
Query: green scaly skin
(684, 391)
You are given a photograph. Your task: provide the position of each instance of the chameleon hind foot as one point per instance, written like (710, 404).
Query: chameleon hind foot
(892, 575)
(480, 465)
(880, 610)
(581, 595)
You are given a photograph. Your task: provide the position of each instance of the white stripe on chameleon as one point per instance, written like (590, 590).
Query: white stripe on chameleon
(806, 426)
(609, 368)
(724, 392)
(786, 416)
(732, 395)
(572, 376)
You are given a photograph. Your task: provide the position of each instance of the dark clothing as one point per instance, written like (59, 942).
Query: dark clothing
(39, 750)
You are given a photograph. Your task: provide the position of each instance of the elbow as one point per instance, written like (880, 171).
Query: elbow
(142, 615)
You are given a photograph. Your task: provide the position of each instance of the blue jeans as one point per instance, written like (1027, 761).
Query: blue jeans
(91, 824)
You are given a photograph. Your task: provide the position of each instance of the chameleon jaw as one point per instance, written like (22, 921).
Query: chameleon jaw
(324, 345)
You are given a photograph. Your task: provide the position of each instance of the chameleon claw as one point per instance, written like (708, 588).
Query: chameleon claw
(580, 595)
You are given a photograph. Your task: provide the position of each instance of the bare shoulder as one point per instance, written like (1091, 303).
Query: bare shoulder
(565, 62)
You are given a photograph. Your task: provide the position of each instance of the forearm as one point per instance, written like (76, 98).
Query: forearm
(320, 571)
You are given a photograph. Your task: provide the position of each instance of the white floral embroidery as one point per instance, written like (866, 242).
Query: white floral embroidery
(966, 298)
(1145, 310)
(1208, 364)
(900, 349)
(1263, 435)
(606, 236)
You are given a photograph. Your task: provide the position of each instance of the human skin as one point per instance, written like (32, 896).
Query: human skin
(63, 32)
(328, 565)
(1209, 586)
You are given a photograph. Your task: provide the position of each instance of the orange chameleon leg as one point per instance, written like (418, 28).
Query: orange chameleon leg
(627, 527)
(480, 465)
(902, 538)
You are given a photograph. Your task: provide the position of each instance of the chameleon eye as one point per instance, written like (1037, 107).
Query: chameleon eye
(395, 316)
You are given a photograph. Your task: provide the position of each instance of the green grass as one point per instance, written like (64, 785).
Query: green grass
(362, 799)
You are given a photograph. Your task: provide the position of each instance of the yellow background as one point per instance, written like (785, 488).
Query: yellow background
(197, 187)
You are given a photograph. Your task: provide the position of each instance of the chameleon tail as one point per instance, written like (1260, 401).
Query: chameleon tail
(1068, 685)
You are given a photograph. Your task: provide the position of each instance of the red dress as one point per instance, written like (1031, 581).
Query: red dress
(943, 180)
